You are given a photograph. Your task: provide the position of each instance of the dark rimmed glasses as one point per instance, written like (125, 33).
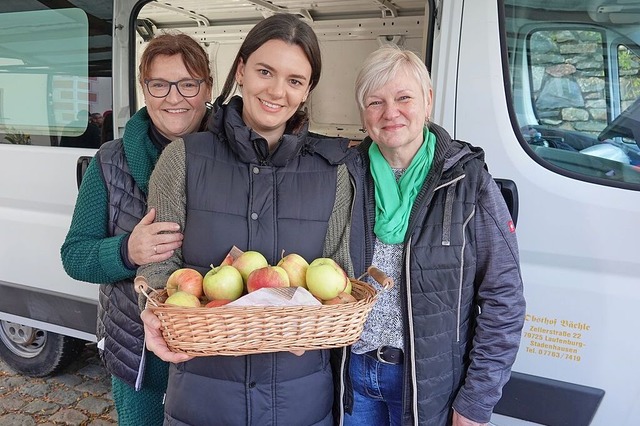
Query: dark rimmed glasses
(188, 88)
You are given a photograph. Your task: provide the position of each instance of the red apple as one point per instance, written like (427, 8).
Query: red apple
(182, 298)
(185, 279)
(216, 303)
(223, 282)
(269, 276)
(325, 278)
(341, 298)
(296, 268)
(248, 262)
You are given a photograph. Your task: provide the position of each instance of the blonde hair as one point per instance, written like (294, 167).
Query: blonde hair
(383, 65)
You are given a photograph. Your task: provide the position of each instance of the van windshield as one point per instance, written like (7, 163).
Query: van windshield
(575, 80)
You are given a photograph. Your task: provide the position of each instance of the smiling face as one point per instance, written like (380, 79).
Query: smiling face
(395, 115)
(275, 82)
(174, 115)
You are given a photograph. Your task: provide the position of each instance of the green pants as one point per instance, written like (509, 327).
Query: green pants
(144, 407)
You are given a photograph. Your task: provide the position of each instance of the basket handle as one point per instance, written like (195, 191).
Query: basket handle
(141, 286)
(385, 281)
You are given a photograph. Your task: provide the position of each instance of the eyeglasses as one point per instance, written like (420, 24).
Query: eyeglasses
(188, 88)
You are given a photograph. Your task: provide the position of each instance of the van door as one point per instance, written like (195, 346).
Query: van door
(549, 90)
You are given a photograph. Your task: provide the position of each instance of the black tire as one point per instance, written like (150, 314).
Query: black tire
(36, 353)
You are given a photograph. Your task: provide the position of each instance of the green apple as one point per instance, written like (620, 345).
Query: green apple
(325, 278)
(248, 262)
(269, 276)
(182, 298)
(223, 282)
(296, 268)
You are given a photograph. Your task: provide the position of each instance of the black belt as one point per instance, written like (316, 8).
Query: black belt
(387, 355)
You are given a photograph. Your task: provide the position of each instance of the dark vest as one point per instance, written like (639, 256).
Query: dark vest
(119, 320)
(268, 209)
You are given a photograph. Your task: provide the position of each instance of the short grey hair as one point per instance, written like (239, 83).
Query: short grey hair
(383, 65)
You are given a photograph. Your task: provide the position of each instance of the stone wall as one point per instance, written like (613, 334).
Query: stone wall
(568, 71)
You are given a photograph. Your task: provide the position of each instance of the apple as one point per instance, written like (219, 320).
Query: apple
(185, 279)
(296, 268)
(182, 298)
(223, 282)
(349, 286)
(269, 276)
(228, 260)
(248, 262)
(342, 297)
(325, 278)
(216, 303)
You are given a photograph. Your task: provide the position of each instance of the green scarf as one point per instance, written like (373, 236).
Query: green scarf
(394, 199)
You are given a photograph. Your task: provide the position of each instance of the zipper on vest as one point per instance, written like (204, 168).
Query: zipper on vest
(411, 345)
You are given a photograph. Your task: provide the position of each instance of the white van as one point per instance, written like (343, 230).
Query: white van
(547, 88)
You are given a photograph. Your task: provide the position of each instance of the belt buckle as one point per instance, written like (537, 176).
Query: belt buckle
(379, 355)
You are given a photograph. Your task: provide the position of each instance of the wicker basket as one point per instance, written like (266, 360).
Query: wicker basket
(243, 330)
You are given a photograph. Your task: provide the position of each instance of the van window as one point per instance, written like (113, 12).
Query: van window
(55, 71)
(575, 80)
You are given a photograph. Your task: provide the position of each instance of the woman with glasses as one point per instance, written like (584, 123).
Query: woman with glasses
(259, 180)
(111, 233)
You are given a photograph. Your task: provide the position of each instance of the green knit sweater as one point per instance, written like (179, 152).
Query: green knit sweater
(89, 253)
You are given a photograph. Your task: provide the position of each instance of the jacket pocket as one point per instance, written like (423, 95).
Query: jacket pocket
(457, 376)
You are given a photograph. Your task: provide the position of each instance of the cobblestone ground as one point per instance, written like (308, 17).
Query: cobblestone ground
(80, 395)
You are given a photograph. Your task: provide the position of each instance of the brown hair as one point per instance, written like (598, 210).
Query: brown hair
(193, 55)
(292, 30)
(285, 27)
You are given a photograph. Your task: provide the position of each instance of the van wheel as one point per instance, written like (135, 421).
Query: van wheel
(34, 352)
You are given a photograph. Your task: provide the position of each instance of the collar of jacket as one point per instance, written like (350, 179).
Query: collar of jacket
(448, 162)
(226, 123)
(449, 153)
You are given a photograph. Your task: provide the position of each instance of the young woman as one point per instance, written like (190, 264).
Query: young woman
(258, 180)
(110, 234)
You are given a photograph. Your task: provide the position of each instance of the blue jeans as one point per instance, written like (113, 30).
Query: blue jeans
(377, 392)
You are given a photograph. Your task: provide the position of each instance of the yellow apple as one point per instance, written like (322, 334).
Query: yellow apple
(296, 268)
(223, 282)
(182, 298)
(325, 278)
(248, 262)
